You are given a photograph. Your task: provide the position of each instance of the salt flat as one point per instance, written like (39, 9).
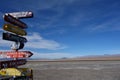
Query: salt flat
(75, 70)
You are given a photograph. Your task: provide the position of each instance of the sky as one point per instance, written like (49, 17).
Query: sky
(67, 28)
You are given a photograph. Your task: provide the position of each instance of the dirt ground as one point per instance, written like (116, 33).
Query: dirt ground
(75, 70)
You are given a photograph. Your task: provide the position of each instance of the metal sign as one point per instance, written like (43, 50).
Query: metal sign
(6, 78)
(17, 72)
(14, 29)
(10, 72)
(14, 21)
(17, 46)
(22, 78)
(12, 63)
(27, 14)
(12, 37)
(16, 54)
(21, 45)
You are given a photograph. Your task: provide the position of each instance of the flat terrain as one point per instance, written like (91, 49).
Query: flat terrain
(75, 70)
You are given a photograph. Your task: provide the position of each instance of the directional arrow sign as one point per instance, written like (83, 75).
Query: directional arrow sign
(12, 37)
(14, 29)
(12, 63)
(17, 72)
(27, 14)
(22, 78)
(14, 21)
(16, 54)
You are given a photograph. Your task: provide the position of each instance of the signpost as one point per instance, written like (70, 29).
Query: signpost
(16, 54)
(14, 29)
(27, 14)
(13, 37)
(12, 63)
(15, 21)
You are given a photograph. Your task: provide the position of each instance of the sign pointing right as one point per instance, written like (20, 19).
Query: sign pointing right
(16, 54)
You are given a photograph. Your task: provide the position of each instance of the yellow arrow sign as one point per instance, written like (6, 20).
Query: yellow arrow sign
(16, 72)
(14, 29)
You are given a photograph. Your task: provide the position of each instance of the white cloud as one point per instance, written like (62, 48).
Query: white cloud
(36, 41)
(39, 4)
(60, 10)
(1, 30)
(52, 55)
(47, 4)
(4, 43)
(109, 25)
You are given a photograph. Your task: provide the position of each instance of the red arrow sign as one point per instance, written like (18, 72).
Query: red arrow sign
(16, 54)
(12, 63)
(14, 21)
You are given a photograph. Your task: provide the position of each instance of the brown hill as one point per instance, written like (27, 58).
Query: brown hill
(99, 57)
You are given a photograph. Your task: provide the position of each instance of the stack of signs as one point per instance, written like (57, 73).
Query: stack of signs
(15, 30)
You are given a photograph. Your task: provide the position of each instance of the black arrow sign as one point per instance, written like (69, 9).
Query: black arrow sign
(21, 45)
(14, 21)
(12, 63)
(12, 37)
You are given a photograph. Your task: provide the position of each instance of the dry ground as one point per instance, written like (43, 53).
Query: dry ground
(75, 70)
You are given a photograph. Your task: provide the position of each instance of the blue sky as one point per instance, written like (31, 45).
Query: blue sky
(67, 28)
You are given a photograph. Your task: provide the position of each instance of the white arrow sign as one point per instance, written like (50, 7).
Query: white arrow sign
(21, 14)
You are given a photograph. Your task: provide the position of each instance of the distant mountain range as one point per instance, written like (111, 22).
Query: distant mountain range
(99, 57)
(90, 57)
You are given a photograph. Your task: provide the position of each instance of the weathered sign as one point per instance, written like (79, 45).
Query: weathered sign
(16, 54)
(13, 37)
(27, 14)
(14, 29)
(14, 21)
(12, 63)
